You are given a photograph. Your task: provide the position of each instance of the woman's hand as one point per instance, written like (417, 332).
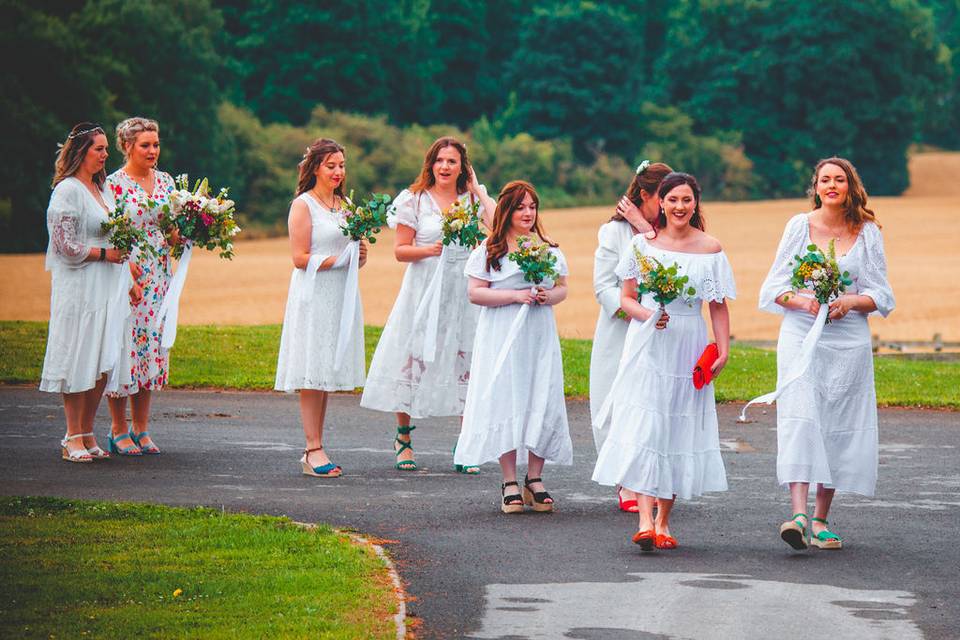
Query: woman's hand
(632, 214)
(116, 256)
(135, 270)
(136, 294)
(622, 315)
(434, 249)
(525, 296)
(473, 185)
(719, 364)
(799, 303)
(174, 238)
(664, 319)
(363, 252)
(841, 307)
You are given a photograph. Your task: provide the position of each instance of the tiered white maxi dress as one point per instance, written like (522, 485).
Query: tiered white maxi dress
(311, 323)
(521, 407)
(88, 300)
(827, 419)
(663, 434)
(401, 378)
(611, 331)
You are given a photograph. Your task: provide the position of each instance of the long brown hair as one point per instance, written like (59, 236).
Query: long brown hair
(510, 198)
(671, 182)
(647, 179)
(426, 179)
(855, 206)
(312, 159)
(74, 150)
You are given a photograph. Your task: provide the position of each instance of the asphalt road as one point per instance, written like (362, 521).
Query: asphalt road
(474, 572)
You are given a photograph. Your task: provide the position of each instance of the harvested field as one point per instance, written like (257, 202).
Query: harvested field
(920, 230)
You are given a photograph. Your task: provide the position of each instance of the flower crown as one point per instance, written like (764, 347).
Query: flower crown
(642, 167)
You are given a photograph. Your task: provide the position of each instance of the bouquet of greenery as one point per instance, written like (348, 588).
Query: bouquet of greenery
(820, 273)
(662, 281)
(534, 259)
(365, 221)
(124, 234)
(206, 221)
(461, 224)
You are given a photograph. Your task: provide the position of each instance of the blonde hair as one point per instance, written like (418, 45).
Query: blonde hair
(74, 150)
(129, 129)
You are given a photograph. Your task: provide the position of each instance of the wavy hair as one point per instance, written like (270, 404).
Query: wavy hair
(855, 205)
(129, 129)
(74, 150)
(426, 179)
(316, 153)
(510, 198)
(647, 180)
(671, 182)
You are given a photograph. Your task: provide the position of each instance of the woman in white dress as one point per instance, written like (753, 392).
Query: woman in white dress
(421, 366)
(827, 410)
(515, 404)
(145, 190)
(87, 346)
(320, 349)
(637, 212)
(663, 440)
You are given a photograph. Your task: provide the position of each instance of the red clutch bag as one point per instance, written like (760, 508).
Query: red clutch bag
(702, 375)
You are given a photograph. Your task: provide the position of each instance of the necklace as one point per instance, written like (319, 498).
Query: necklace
(330, 207)
(143, 181)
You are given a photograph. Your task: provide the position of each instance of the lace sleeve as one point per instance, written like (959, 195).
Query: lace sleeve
(404, 210)
(606, 284)
(627, 267)
(68, 242)
(873, 275)
(777, 281)
(718, 283)
(476, 266)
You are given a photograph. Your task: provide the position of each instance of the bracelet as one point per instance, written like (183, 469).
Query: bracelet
(103, 255)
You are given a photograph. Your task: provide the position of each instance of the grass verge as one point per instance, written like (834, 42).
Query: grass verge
(245, 357)
(72, 569)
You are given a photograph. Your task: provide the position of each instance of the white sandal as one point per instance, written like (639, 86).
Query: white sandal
(95, 451)
(78, 455)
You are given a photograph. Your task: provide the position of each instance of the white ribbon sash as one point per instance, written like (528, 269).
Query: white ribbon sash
(350, 254)
(170, 307)
(118, 311)
(800, 365)
(636, 341)
(430, 305)
(512, 334)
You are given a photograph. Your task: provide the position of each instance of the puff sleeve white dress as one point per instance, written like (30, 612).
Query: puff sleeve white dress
(521, 407)
(311, 322)
(664, 437)
(88, 300)
(827, 418)
(401, 377)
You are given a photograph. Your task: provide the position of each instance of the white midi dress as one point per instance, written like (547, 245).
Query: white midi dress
(611, 331)
(311, 322)
(402, 377)
(827, 418)
(89, 302)
(520, 407)
(663, 436)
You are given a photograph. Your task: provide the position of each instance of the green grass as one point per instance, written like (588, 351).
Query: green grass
(245, 357)
(73, 569)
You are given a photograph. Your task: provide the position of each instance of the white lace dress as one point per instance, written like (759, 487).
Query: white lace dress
(827, 419)
(521, 406)
(311, 322)
(611, 331)
(401, 378)
(88, 300)
(663, 435)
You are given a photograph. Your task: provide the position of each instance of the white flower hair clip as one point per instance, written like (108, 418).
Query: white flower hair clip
(642, 167)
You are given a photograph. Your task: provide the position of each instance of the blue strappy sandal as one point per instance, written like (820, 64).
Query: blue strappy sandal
(328, 470)
(826, 539)
(150, 450)
(404, 465)
(132, 450)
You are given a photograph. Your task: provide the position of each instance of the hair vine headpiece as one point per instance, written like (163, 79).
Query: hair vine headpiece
(642, 167)
(85, 132)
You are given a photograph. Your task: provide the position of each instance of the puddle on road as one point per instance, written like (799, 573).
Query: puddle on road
(658, 605)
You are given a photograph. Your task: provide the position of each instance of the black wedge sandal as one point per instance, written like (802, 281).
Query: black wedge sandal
(512, 503)
(536, 500)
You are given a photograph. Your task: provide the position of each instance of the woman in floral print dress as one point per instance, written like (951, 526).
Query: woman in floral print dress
(144, 190)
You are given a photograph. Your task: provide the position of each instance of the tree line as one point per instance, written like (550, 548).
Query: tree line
(569, 94)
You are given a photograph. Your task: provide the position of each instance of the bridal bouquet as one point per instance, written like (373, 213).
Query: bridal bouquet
(365, 221)
(534, 259)
(206, 221)
(820, 273)
(461, 224)
(662, 281)
(124, 234)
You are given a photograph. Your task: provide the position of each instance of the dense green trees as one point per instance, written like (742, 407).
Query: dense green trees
(568, 93)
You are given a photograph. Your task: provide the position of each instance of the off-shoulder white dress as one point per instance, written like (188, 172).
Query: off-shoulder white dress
(827, 419)
(401, 377)
(663, 434)
(521, 407)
